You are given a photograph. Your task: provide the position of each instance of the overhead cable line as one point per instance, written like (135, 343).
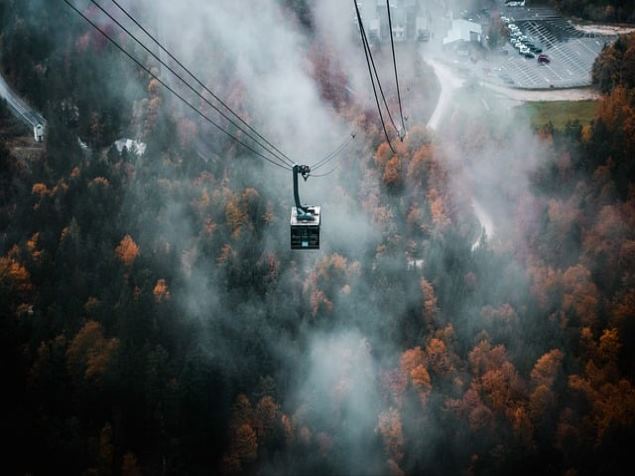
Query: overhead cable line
(202, 85)
(270, 149)
(370, 72)
(372, 61)
(172, 90)
(326, 174)
(381, 89)
(394, 62)
(334, 154)
(281, 155)
(197, 80)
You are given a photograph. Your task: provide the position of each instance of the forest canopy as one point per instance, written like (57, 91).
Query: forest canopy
(154, 321)
(598, 10)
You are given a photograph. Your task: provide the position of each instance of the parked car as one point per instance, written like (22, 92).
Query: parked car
(529, 54)
(543, 59)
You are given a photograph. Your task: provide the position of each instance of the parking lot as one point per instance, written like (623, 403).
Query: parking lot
(571, 52)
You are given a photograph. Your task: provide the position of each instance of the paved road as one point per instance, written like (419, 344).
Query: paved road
(21, 110)
(449, 82)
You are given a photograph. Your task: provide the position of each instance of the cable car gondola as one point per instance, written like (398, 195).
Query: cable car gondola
(305, 221)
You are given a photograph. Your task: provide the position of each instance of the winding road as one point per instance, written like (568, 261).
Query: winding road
(450, 83)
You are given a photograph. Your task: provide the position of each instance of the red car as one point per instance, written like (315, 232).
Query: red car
(543, 59)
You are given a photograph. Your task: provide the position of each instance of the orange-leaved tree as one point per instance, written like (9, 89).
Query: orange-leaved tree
(127, 250)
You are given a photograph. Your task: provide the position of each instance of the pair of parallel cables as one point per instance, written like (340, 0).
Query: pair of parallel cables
(259, 145)
(374, 77)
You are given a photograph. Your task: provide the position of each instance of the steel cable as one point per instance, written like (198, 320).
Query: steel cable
(165, 85)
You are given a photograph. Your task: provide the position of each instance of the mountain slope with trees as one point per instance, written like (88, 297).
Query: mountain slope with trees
(153, 320)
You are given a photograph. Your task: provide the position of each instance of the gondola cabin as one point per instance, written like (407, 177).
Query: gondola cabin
(305, 229)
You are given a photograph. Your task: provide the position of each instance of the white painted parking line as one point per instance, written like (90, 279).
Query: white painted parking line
(583, 44)
(572, 54)
(553, 71)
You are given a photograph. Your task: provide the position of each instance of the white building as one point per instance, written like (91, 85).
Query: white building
(411, 19)
(423, 27)
(132, 146)
(464, 30)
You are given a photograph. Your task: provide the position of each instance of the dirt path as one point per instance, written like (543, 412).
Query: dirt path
(523, 95)
(603, 29)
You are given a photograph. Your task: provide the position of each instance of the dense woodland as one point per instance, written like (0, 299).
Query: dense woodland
(597, 10)
(153, 320)
(616, 66)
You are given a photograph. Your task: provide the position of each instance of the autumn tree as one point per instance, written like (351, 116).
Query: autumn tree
(390, 428)
(612, 398)
(438, 357)
(161, 291)
(430, 305)
(392, 173)
(90, 353)
(414, 367)
(127, 250)
(130, 465)
(420, 165)
(543, 376)
(331, 278)
(14, 276)
(580, 294)
(267, 417)
(106, 455)
(383, 155)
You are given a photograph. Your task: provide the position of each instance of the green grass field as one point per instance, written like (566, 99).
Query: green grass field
(558, 112)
